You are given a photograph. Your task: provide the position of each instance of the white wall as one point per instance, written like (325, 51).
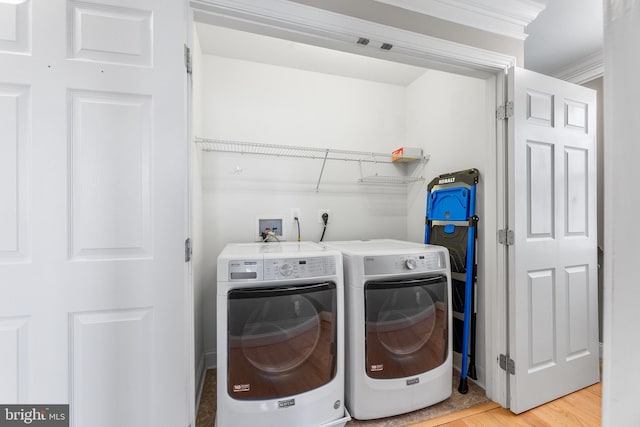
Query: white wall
(270, 104)
(444, 114)
(262, 103)
(620, 391)
(447, 116)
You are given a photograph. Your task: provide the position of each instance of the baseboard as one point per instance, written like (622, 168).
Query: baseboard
(212, 357)
(201, 373)
(482, 377)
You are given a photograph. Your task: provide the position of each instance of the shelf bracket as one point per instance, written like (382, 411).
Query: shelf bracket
(324, 162)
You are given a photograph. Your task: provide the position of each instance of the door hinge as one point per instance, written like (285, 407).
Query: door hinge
(503, 112)
(187, 59)
(188, 250)
(506, 237)
(507, 364)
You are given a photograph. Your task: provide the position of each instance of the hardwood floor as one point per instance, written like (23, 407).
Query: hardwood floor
(579, 409)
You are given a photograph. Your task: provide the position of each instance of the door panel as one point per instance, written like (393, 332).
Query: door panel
(577, 279)
(540, 188)
(110, 165)
(110, 353)
(92, 210)
(552, 265)
(15, 27)
(577, 191)
(130, 31)
(14, 149)
(541, 311)
(13, 353)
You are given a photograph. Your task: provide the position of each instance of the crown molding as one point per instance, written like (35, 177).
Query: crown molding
(297, 22)
(589, 68)
(505, 17)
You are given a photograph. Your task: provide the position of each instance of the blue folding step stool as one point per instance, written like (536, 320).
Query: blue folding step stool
(451, 221)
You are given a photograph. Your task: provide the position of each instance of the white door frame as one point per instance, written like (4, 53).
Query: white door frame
(301, 23)
(189, 282)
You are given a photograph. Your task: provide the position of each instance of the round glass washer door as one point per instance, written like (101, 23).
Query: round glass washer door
(281, 334)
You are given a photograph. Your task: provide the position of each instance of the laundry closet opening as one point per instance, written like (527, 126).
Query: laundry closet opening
(262, 90)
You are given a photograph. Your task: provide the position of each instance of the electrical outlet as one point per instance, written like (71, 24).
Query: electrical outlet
(322, 211)
(295, 213)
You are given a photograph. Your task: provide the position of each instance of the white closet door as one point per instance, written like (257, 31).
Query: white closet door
(553, 296)
(92, 217)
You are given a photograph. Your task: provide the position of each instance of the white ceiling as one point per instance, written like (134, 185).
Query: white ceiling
(504, 17)
(558, 34)
(564, 33)
(241, 45)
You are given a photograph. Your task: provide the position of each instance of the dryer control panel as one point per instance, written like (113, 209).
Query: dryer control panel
(410, 263)
(281, 268)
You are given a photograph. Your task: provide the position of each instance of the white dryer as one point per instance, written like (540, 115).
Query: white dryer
(398, 311)
(280, 323)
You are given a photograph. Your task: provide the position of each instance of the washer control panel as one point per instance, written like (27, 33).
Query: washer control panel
(245, 269)
(281, 268)
(410, 263)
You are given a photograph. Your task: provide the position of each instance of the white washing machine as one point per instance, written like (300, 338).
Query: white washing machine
(398, 311)
(280, 336)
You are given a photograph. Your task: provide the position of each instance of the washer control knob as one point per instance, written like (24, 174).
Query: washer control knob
(410, 264)
(286, 269)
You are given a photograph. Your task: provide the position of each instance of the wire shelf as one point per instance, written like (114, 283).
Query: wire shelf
(291, 151)
(390, 180)
(324, 154)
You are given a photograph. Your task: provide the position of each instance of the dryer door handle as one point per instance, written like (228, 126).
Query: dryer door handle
(406, 283)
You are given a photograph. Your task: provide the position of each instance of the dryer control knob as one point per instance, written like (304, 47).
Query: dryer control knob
(410, 264)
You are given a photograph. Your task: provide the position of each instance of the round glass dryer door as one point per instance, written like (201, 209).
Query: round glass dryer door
(281, 341)
(406, 326)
